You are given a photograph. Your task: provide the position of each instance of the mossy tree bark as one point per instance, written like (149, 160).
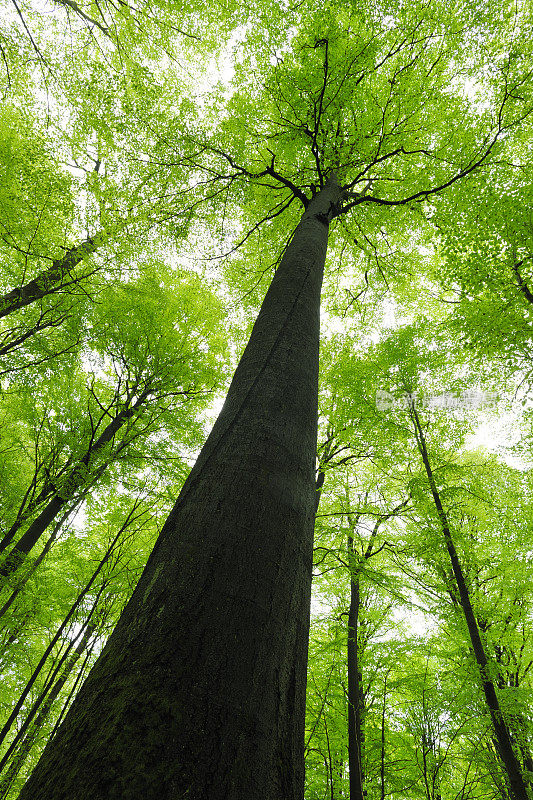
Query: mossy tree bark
(200, 691)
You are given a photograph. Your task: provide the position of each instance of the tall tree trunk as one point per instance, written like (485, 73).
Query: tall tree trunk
(49, 280)
(517, 783)
(329, 764)
(356, 698)
(338, 770)
(355, 693)
(200, 690)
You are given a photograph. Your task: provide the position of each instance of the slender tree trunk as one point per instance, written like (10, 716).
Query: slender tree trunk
(50, 279)
(29, 506)
(14, 633)
(76, 478)
(356, 698)
(24, 743)
(200, 690)
(72, 693)
(383, 741)
(40, 558)
(355, 694)
(517, 783)
(59, 633)
(30, 502)
(338, 765)
(425, 766)
(331, 777)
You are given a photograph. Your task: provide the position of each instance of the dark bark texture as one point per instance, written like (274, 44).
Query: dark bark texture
(200, 692)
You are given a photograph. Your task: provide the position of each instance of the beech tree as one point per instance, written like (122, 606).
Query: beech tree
(336, 144)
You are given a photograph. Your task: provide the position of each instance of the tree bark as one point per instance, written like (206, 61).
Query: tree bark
(517, 783)
(50, 279)
(200, 690)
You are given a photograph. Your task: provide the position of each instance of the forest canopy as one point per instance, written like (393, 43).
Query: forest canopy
(323, 611)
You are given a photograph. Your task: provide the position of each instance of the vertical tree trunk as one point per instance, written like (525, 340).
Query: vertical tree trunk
(329, 764)
(338, 768)
(517, 783)
(200, 690)
(355, 694)
(356, 698)
(383, 741)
